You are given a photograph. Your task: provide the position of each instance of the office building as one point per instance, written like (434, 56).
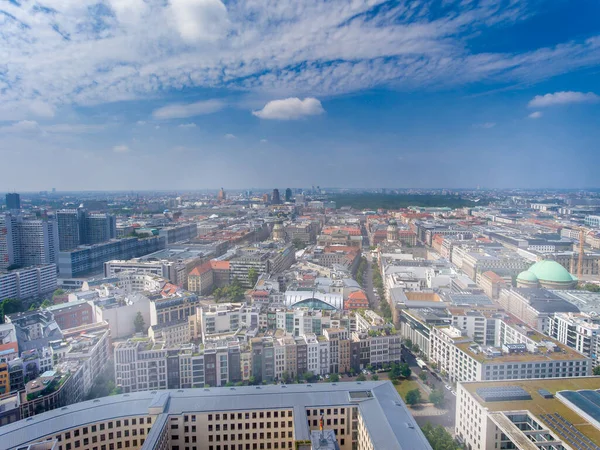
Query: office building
(275, 199)
(272, 259)
(13, 201)
(522, 353)
(179, 233)
(578, 331)
(365, 416)
(90, 259)
(79, 227)
(29, 282)
(529, 414)
(534, 306)
(288, 195)
(27, 242)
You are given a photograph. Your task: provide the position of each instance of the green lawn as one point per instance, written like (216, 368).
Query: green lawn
(409, 385)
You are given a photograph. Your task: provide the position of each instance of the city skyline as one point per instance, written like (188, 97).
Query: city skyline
(368, 94)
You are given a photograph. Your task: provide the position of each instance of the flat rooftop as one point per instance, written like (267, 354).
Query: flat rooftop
(386, 417)
(538, 405)
(564, 354)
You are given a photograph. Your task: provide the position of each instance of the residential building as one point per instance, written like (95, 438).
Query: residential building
(27, 242)
(28, 282)
(201, 279)
(369, 415)
(34, 329)
(72, 314)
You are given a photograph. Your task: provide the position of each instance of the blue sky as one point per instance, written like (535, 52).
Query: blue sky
(191, 94)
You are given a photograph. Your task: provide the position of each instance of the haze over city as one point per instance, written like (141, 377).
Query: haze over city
(201, 94)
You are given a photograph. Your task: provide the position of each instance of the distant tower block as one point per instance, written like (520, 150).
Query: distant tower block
(392, 231)
(278, 233)
(222, 196)
(275, 199)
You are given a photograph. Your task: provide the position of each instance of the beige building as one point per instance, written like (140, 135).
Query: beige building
(367, 415)
(525, 414)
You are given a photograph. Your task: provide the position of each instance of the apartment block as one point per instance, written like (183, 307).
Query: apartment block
(28, 282)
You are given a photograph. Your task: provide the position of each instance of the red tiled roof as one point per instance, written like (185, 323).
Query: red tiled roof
(357, 295)
(10, 346)
(219, 265)
(199, 270)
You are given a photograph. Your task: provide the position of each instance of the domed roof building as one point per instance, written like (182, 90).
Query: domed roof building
(546, 274)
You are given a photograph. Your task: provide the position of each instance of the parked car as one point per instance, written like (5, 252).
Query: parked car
(448, 387)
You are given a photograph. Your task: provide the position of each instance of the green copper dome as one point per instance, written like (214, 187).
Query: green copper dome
(527, 276)
(548, 270)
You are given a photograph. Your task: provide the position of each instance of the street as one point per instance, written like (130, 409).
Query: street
(446, 420)
(368, 280)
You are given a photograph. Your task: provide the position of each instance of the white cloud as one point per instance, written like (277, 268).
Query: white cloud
(68, 128)
(535, 115)
(485, 125)
(290, 109)
(200, 20)
(134, 49)
(563, 98)
(141, 123)
(41, 109)
(23, 126)
(187, 125)
(121, 149)
(182, 110)
(229, 136)
(263, 141)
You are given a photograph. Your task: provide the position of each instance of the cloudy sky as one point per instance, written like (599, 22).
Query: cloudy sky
(190, 94)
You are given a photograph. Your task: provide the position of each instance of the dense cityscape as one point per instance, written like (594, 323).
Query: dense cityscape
(171, 309)
(299, 225)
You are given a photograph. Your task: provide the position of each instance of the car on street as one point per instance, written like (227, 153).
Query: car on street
(448, 387)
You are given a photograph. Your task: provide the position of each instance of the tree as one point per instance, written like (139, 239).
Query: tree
(413, 397)
(592, 287)
(374, 377)
(285, 377)
(408, 343)
(405, 370)
(10, 306)
(252, 276)
(45, 304)
(139, 324)
(423, 376)
(597, 370)
(416, 348)
(439, 438)
(309, 377)
(437, 397)
(58, 292)
(361, 377)
(395, 372)
(334, 378)
(252, 380)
